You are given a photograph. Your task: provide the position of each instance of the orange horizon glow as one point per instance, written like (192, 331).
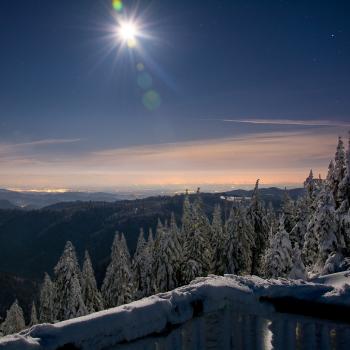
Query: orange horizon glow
(283, 158)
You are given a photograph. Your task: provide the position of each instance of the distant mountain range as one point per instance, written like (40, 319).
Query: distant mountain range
(37, 200)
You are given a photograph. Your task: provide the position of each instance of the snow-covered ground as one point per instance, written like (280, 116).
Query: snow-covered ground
(337, 280)
(157, 313)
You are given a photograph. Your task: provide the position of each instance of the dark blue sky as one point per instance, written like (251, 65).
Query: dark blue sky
(208, 61)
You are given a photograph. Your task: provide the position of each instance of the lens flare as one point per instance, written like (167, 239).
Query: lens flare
(117, 5)
(140, 67)
(151, 100)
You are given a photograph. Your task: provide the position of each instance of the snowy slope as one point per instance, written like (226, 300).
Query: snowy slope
(156, 313)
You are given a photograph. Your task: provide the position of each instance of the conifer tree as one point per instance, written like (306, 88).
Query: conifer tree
(139, 267)
(143, 266)
(344, 230)
(289, 212)
(331, 175)
(297, 235)
(33, 316)
(149, 283)
(176, 248)
(326, 228)
(278, 256)
(271, 218)
(166, 257)
(310, 247)
(68, 297)
(343, 211)
(14, 321)
(344, 186)
(91, 296)
(309, 183)
(187, 219)
(118, 286)
(338, 173)
(47, 296)
(197, 250)
(218, 243)
(257, 217)
(200, 219)
(239, 242)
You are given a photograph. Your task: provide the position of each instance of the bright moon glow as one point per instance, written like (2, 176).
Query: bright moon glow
(128, 32)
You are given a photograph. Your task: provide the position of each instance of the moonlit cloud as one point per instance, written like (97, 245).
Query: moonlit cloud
(46, 142)
(288, 122)
(28, 152)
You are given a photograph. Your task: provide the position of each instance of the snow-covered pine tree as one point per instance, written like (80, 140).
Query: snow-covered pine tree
(312, 187)
(176, 248)
(118, 286)
(14, 321)
(344, 186)
(310, 248)
(298, 270)
(47, 296)
(239, 242)
(160, 262)
(166, 257)
(187, 217)
(149, 283)
(91, 296)
(257, 216)
(309, 183)
(138, 266)
(339, 173)
(271, 218)
(68, 297)
(326, 228)
(297, 234)
(331, 175)
(143, 266)
(289, 211)
(278, 256)
(200, 219)
(197, 250)
(343, 211)
(218, 243)
(33, 316)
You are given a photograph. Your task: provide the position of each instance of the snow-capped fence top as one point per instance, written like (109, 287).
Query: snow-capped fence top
(156, 313)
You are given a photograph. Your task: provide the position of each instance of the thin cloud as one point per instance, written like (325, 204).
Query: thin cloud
(45, 142)
(286, 122)
(28, 150)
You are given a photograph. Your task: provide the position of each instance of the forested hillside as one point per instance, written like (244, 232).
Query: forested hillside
(38, 236)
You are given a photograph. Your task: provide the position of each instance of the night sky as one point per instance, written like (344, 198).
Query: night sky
(213, 92)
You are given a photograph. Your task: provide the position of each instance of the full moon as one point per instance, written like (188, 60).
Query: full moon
(127, 31)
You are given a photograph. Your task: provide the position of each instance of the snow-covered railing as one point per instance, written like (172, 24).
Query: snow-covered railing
(157, 313)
